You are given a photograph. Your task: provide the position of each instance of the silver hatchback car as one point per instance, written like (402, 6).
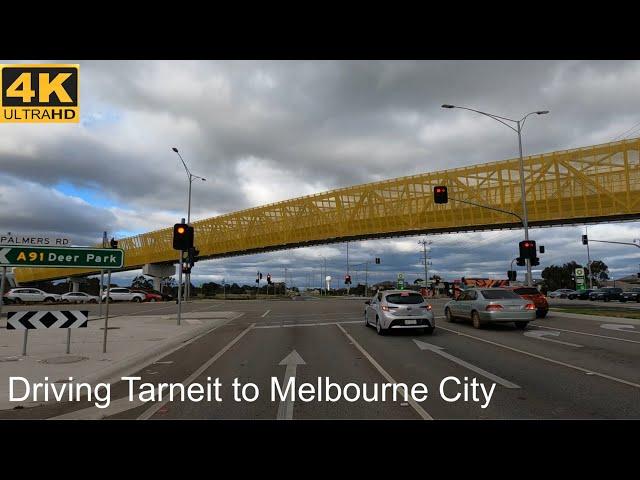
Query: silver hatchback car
(484, 305)
(399, 309)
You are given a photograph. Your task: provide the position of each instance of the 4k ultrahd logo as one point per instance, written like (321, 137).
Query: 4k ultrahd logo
(42, 93)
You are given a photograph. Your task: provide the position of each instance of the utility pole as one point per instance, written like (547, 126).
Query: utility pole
(348, 285)
(425, 259)
(589, 260)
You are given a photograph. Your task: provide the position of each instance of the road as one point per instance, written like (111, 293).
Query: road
(559, 368)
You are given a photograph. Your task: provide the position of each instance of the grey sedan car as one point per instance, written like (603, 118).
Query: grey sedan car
(399, 309)
(484, 305)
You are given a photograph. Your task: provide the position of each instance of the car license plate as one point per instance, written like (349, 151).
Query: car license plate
(410, 322)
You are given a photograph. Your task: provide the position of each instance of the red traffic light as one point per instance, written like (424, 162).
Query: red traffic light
(440, 194)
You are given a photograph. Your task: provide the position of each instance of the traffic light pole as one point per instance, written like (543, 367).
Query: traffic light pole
(180, 285)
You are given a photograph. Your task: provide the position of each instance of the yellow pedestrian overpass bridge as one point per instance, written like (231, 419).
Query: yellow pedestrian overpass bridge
(598, 183)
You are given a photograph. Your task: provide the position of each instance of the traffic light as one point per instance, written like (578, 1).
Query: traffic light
(528, 249)
(377, 261)
(512, 275)
(192, 257)
(347, 279)
(440, 194)
(186, 268)
(520, 262)
(541, 248)
(638, 274)
(535, 261)
(260, 275)
(114, 243)
(182, 236)
(585, 240)
(269, 278)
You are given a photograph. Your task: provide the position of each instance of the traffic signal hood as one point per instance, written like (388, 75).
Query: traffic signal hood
(585, 240)
(114, 243)
(377, 260)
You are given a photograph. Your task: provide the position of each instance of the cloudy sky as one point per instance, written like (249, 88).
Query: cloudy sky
(263, 131)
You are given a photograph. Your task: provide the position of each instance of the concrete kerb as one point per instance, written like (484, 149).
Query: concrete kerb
(133, 363)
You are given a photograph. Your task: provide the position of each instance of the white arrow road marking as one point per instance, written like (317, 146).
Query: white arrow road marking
(3, 252)
(620, 327)
(285, 409)
(541, 336)
(440, 351)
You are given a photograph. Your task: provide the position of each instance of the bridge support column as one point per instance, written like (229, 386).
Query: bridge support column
(158, 271)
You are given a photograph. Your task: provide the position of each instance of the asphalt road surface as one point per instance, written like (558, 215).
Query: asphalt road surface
(559, 368)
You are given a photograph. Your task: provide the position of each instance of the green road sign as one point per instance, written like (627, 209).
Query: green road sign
(76, 257)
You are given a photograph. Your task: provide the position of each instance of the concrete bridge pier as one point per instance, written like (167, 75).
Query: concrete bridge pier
(158, 271)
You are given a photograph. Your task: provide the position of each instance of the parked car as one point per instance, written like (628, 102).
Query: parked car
(580, 294)
(78, 297)
(606, 294)
(399, 309)
(484, 305)
(631, 295)
(118, 294)
(24, 295)
(149, 296)
(534, 295)
(560, 293)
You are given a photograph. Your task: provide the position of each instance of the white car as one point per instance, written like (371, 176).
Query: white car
(78, 297)
(23, 295)
(561, 293)
(118, 294)
(399, 309)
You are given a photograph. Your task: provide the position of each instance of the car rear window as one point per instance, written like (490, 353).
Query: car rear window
(405, 298)
(526, 291)
(499, 294)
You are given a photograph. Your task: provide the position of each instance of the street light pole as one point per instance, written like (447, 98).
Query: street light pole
(523, 191)
(190, 176)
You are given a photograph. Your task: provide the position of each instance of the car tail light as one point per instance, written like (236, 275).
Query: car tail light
(529, 306)
(427, 306)
(493, 308)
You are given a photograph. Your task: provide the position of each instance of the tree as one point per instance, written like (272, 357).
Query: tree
(142, 282)
(600, 270)
(556, 277)
(418, 281)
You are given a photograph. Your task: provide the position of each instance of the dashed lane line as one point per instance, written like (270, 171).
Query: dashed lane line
(421, 411)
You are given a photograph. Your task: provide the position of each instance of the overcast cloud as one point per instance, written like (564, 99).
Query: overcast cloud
(263, 131)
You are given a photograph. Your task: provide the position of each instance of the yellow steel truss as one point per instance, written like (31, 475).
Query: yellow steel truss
(590, 184)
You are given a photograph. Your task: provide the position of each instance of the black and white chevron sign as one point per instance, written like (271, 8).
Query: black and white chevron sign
(47, 319)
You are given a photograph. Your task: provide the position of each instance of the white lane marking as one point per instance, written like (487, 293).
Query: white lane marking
(154, 408)
(542, 335)
(163, 363)
(546, 359)
(440, 351)
(265, 313)
(620, 327)
(122, 404)
(307, 324)
(589, 334)
(193, 321)
(383, 372)
(94, 413)
(285, 409)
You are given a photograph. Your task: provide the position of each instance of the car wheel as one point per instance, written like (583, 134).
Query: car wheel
(110, 300)
(366, 320)
(64, 301)
(136, 299)
(93, 300)
(154, 300)
(475, 319)
(606, 299)
(49, 300)
(521, 325)
(541, 314)
(17, 300)
(449, 315)
(379, 329)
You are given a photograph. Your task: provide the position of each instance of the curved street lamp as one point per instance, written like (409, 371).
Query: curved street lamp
(519, 125)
